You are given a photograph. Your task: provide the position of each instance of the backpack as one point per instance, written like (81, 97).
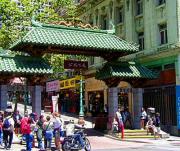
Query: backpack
(6, 123)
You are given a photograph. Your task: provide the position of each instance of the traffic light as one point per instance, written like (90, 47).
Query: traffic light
(0, 22)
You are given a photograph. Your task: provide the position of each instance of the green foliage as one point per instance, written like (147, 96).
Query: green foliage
(16, 17)
(16, 21)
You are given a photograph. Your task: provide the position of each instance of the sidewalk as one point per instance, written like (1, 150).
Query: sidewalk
(92, 132)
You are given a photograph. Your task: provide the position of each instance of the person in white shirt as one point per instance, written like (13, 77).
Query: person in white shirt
(57, 124)
(143, 118)
(120, 122)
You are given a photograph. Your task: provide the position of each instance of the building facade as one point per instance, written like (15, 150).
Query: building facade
(155, 26)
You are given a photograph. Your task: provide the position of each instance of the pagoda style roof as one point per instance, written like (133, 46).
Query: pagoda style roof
(46, 38)
(123, 71)
(24, 65)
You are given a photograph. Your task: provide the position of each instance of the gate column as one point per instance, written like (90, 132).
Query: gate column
(137, 104)
(3, 97)
(112, 104)
(36, 99)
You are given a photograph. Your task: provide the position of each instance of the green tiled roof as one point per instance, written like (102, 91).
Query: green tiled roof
(24, 65)
(124, 70)
(71, 38)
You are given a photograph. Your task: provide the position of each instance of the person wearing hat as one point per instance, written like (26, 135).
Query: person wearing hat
(8, 128)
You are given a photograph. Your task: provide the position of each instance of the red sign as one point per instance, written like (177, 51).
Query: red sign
(72, 64)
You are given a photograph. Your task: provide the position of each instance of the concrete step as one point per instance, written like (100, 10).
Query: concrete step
(135, 131)
(136, 134)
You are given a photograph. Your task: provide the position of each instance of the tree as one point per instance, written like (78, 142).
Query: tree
(16, 16)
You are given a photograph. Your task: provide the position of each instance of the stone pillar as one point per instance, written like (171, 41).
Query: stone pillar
(36, 99)
(3, 97)
(112, 104)
(138, 104)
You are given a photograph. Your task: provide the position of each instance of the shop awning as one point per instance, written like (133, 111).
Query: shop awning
(24, 65)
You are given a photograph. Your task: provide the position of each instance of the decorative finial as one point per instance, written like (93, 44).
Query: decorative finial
(113, 29)
(35, 23)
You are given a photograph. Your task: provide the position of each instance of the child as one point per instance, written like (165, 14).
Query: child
(114, 126)
(149, 126)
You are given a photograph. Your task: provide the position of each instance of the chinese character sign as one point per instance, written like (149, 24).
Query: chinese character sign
(53, 86)
(178, 105)
(72, 64)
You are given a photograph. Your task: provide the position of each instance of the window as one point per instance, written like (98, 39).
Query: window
(163, 34)
(141, 40)
(160, 2)
(91, 20)
(104, 22)
(119, 15)
(91, 61)
(139, 7)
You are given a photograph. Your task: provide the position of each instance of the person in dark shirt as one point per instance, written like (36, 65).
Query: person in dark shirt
(17, 121)
(157, 123)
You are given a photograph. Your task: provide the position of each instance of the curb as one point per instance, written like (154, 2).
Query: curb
(127, 140)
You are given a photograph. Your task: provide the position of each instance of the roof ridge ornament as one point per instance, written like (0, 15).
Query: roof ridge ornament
(36, 23)
(113, 28)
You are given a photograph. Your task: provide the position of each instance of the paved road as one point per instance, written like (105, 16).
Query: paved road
(101, 143)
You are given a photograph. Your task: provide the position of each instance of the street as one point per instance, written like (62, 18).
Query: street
(99, 142)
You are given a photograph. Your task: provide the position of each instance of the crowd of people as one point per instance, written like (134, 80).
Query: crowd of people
(149, 122)
(31, 127)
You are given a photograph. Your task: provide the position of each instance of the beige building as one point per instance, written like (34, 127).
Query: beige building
(155, 26)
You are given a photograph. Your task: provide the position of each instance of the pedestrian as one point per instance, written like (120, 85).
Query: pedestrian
(1, 124)
(157, 123)
(39, 132)
(150, 126)
(120, 122)
(48, 132)
(57, 126)
(17, 121)
(114, 126)
(8, 128)
(24, 120)
(128, 118)
(27, 132)
(106, 110)
(143, 118)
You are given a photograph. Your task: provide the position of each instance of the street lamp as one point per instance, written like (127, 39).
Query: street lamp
(26, 94)
(81, 112)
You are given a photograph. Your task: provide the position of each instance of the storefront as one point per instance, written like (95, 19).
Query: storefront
(95, 96)
(52, 89)
(69, 95)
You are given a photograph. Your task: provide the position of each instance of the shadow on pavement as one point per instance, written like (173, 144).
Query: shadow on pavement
(92, 132)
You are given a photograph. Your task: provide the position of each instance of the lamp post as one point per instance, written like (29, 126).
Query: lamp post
(81, 112)
(26, 95)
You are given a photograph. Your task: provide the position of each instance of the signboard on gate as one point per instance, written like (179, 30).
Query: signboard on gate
(73, 64)
(53, 86)
(178, 105)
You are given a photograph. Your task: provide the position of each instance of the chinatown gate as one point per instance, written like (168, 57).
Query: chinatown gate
(74, 40)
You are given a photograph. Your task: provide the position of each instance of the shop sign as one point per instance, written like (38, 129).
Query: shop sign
(52, 86)
(73, 64)
(70, 83)
(178, 105)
